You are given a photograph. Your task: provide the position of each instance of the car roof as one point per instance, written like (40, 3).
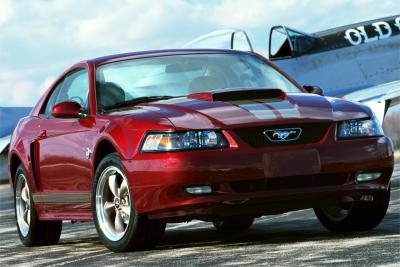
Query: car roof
(164, 52)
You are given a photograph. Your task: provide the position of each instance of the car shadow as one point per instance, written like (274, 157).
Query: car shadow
(276, 232)
(271, 233)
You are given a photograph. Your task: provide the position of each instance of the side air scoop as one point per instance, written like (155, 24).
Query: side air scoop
(238, 94)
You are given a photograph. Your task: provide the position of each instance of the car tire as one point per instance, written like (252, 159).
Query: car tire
(358, 216)
(31, 230)
(233, 224)
(119, 226)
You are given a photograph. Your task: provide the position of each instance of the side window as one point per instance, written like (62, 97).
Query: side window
(50, 102)
(75, 88)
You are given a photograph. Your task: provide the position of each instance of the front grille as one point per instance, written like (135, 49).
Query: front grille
(290, 182)
(310, 133)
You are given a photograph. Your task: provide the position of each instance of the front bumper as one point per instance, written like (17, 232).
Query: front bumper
(257, 181)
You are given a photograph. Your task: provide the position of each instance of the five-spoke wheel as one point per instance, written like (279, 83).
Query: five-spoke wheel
(31, 230)
(22, 204)
(119, 226)
(113, 203)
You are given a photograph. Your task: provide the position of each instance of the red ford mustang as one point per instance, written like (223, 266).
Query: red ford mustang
(134, 141)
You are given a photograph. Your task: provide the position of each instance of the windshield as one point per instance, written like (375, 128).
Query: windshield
(147, 79)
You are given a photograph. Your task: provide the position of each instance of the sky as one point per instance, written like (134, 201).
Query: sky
(39, 39)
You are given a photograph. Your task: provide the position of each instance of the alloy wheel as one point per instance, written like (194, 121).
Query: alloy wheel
(23, 205)
(113, 203)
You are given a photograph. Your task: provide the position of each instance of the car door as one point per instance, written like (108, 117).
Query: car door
(65, 144)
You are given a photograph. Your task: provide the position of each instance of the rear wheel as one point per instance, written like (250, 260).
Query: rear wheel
(357, 216)
(119, 226)
(32, 232)
(233, 224)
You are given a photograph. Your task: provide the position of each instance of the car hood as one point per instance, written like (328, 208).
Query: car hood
(205, 111)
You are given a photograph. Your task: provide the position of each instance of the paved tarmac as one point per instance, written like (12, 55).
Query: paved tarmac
(290, 239)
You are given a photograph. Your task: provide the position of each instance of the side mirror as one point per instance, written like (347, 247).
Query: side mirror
(67, 109)
(313, 89)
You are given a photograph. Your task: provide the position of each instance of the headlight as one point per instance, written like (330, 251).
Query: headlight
(359, 128)
(183, 141)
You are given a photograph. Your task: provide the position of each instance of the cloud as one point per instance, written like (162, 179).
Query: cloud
(48, 36)
(136, 24)
(308, 15)
(21, 92)
(7, 11)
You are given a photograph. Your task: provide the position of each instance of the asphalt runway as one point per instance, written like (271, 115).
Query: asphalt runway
(290, 239)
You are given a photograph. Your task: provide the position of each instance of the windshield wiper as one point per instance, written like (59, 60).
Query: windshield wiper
(138, 100)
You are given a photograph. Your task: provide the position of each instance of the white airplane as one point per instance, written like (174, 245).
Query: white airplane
(4, 142)
(358, 62)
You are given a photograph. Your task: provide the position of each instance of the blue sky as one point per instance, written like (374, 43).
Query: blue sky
(40, 39)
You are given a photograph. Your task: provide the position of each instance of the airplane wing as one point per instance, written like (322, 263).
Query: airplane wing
(4, 142)
(379, 98)
(9, 117)
(382, 92)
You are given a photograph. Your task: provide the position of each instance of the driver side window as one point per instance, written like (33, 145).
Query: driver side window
(50, 102)
(75, 88)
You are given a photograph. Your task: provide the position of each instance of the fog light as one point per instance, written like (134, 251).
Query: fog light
(368, 176)
(199, 190)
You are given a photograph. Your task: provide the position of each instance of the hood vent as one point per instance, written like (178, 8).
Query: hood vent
(238, 94)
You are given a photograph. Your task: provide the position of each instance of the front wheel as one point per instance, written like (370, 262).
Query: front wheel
(357, 216)
(31, 230)
(119, 226)
(233, 224)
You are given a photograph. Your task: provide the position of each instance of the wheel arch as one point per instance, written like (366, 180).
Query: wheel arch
(103, 148)
(14, 162)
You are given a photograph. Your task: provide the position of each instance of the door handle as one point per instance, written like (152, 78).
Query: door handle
(42, 134)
